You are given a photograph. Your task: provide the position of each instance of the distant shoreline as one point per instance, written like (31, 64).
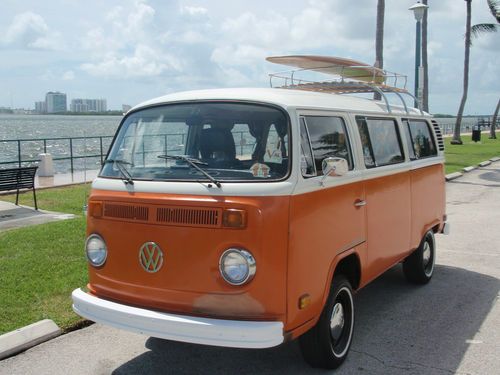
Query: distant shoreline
(107, 113)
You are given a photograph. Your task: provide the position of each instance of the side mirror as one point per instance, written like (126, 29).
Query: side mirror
(334, 167)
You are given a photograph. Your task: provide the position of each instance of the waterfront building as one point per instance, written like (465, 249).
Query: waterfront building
(56, 102)
(40, 107)
(126, 108)
(88, 105)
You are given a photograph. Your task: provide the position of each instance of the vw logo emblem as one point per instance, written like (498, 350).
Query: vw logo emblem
(150, 257)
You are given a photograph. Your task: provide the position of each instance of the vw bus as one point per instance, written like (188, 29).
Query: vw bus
(248, 217)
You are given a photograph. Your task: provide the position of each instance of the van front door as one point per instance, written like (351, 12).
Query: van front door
(324, 218)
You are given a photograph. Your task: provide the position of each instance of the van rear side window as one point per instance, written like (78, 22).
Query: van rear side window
(422, 142)
(381, 141)
(328, 138)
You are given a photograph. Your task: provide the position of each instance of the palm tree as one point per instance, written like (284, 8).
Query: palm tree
(425, 64)
(379, 40)
(481, 28)
(456, 140)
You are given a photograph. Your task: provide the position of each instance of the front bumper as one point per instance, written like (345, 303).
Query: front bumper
(185, 328)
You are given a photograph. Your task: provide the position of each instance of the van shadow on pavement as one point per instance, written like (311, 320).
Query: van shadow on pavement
(400, 328)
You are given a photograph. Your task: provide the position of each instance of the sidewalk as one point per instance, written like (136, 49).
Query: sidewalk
(12, 216)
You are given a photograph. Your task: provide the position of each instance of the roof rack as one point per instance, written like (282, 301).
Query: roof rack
(353, 78)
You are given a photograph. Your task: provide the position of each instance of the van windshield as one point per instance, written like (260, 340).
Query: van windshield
(201, 142)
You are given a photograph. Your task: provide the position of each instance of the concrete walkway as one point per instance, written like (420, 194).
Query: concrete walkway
(12, 216)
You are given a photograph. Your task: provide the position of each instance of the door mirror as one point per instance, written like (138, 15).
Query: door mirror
(334, 167)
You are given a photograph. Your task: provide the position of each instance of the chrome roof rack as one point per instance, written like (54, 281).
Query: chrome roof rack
(383, 82)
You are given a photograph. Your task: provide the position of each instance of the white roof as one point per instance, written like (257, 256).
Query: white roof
(286, 98)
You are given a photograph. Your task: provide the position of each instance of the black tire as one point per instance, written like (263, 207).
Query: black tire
(419, 266)
(324, 346)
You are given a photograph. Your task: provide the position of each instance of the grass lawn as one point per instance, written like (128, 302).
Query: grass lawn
(40, 265)
(470, 153)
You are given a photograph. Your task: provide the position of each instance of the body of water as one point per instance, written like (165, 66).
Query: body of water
(14, 127)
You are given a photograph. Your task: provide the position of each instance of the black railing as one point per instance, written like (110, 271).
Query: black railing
(97, 151)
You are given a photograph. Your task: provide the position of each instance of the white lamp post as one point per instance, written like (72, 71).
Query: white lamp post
(418, 11)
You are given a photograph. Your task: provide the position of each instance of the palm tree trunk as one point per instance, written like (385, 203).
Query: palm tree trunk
(494, 122)
(379, 40)
(425, 64)
(456, 140)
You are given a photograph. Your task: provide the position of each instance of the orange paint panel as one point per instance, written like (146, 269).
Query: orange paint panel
(189, 280)
(388, 215)
(427, 200)
(322, 224)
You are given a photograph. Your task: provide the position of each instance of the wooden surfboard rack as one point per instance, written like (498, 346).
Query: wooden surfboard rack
(351, 77)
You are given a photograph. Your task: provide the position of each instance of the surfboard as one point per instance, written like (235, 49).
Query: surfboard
(343, 67)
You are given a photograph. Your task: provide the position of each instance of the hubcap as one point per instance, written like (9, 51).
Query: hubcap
(337, 321)
(426, 254)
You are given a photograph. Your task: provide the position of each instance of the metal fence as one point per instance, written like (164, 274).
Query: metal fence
(26, 151)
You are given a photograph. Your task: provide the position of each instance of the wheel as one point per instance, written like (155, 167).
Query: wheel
(419, 266)
(326, 344)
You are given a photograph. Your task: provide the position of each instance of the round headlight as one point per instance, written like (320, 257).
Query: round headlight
(95, 248)
(237, 266)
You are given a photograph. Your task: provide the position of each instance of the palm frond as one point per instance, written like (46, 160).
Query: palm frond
(483, 28)
(494, 6)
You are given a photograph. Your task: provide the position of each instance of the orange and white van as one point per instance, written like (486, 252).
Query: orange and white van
(249, 217)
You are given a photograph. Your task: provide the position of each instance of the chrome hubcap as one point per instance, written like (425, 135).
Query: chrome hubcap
(337, 321)
(426, 254)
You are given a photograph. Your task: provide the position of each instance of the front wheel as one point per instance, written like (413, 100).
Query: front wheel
(326, 344)
(419, 266)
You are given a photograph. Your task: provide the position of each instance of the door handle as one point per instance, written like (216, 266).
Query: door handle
(359, 203)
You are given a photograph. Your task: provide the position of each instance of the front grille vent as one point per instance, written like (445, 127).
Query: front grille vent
(439, 135)
(122, 211)
(189, 216)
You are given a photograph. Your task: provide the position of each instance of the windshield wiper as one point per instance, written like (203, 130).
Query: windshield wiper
(124, 171)
(194, 163)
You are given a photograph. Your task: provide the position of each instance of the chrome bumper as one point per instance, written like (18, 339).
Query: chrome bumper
(446, 228)
(185, 328)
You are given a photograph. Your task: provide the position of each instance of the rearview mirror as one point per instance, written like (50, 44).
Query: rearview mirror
(334, 167)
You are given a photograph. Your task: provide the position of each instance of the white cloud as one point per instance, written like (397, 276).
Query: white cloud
(194, 10)
(144, 62)
(29, 30)
(68, 76)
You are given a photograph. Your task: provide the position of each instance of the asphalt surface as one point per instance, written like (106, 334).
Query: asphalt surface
(451, 325)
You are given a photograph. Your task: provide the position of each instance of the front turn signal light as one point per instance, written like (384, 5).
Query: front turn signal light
(233, 218)
(95, 209)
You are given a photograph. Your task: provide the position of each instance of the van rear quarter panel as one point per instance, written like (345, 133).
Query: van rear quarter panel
(323, 223)
(428, 201)
(189, 280)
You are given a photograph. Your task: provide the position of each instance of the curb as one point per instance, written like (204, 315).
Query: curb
(455, 175)
(24, 338)
(452, 176)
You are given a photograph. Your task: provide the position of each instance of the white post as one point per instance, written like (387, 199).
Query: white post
(46, 167)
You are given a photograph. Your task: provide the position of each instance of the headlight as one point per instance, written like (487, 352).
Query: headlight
(95, 248)
(237, 266)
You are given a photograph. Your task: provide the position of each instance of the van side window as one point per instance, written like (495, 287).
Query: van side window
(328, 138)
(422, 140)
(306, 157)
(383, 144)
(409, 142)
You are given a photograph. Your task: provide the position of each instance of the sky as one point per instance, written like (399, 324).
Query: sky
(129, 51)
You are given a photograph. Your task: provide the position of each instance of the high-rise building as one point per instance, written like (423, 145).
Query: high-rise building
(40, 107)
(56, 102)
(88, 105)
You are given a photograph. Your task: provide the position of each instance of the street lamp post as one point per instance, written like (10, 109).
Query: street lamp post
(418, 11)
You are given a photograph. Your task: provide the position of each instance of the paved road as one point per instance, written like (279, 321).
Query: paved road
(450, 326)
